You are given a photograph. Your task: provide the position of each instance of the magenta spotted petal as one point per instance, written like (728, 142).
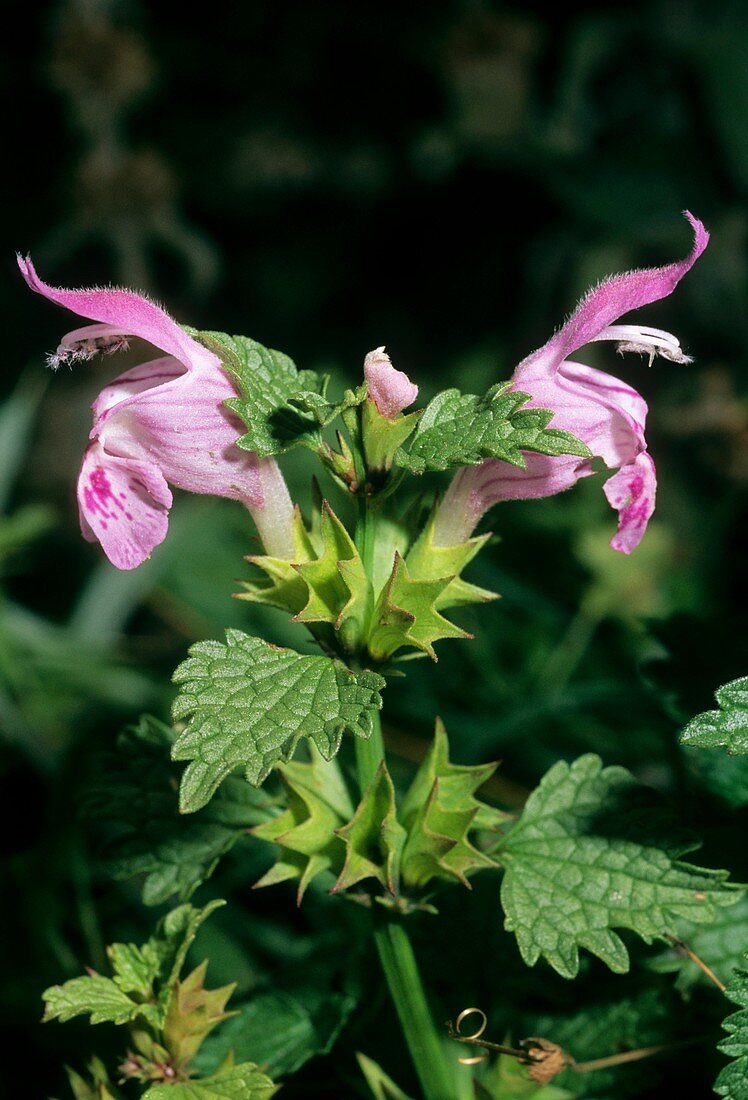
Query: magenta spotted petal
(599, 409)
(163, 422)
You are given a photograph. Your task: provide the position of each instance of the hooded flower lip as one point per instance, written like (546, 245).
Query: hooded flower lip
(162, 422)
(602, 411)
(390, 389)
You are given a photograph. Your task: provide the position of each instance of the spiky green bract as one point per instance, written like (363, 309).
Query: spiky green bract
(318, 804)
(282, 407)
(727, 726)
(135, 807)
(249, 703)
(426, 562)
(192, 1013)
(142, 977)
(339, 591)
(732, 1082)
(438, 813)
(325, 583)
(593, 851)
(406, 615)
(243, 1082)
(280, 584)
(459, 429)
(373, 838)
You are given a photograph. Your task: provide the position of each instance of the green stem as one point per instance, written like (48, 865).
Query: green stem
(401, 971)
(393, 945)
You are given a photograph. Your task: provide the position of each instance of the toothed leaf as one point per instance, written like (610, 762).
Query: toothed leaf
(727, 726)
(459, 429)
(242, 1082)
(281, 407)
(593, 851)
(732, 1082)
(248, 704)
(142, 976)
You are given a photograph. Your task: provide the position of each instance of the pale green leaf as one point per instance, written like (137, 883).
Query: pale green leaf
(91, 995)
(242, 1082)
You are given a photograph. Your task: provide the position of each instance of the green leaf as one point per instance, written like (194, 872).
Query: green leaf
(406, 615)
(174, 937)
(249, 703)
(732, 1082)
(459, 429)
(720, 944)
(317, 805)
(727, 726)
(281, 1030)
(281, 406)
(91, 995)
(135, 808)
(242, 1082)
(439, 812)
(374, 838)
(591, 852)
(266, 381)
(141, 975)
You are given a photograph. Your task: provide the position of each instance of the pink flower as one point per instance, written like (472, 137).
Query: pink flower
(391, 390)
(163, 422)
(603, 412)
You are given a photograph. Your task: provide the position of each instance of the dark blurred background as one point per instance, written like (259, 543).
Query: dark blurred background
(444, 178)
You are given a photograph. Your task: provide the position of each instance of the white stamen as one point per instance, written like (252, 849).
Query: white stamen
(87, 343)
(642, 340)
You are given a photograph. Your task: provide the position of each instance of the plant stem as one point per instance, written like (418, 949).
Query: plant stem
(393, 945)
(401, 971)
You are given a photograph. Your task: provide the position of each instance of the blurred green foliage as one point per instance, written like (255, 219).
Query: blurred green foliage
(446, 179)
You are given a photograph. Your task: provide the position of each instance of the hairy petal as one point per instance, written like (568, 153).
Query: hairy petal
(390, 389)
(127, 312)
(632, 493)
(614, 297)
(124, 503)
(475, 489)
